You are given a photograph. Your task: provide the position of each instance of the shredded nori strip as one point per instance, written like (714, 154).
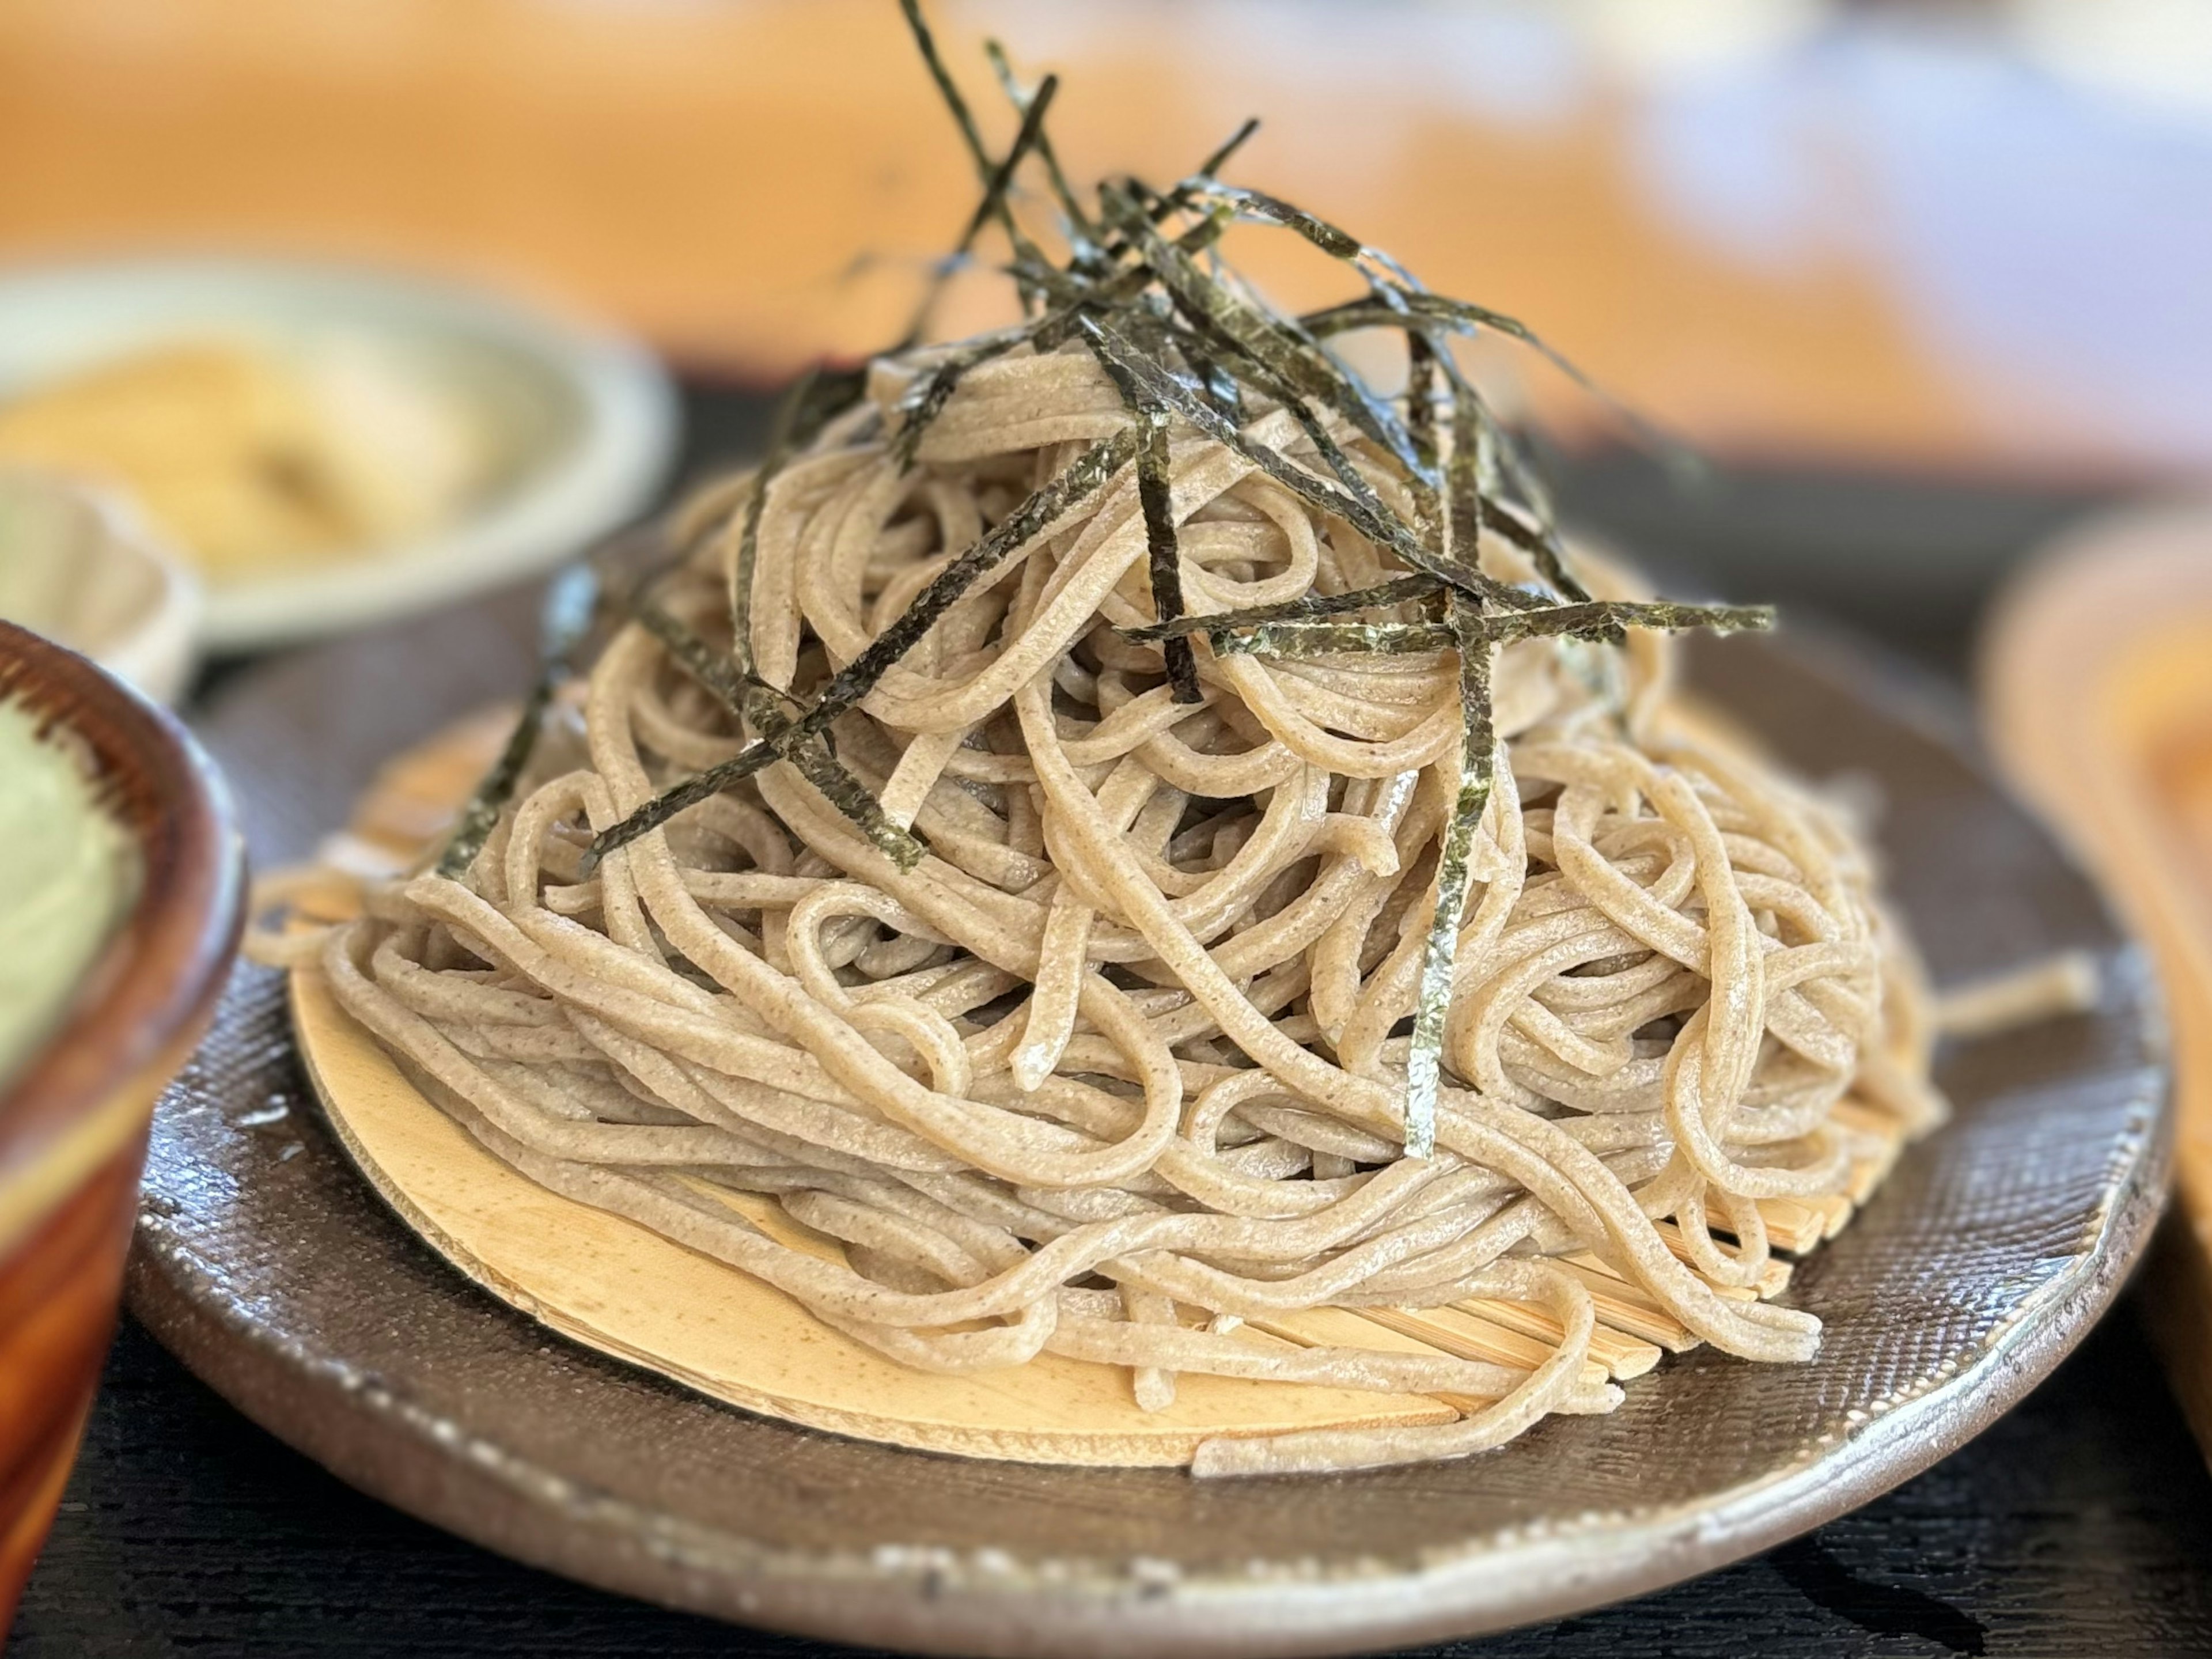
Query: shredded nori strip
(1604, 618)
(563, 619)
(749, 699)
(1298, 365)
(1082, 476)
(1163, 384)
(1396, 590)
(947, 87)
(1489, 451)
(1477, 767)
(994, 198)
(1153, 492)
(1184, 339)
(1155, 498)
(1324, 639)
(1083, 235)
(994, 191)
(1246, 634)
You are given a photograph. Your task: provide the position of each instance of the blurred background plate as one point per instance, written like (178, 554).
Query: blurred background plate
(267, 1265)
(576, 427)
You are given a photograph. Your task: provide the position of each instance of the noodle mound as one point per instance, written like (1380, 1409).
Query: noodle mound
(1122, 1063)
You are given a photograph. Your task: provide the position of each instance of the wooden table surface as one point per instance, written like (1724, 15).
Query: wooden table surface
(1919, 235)
(2082, 1525)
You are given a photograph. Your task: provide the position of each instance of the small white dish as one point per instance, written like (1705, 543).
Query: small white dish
(80, 566)
(583, 422)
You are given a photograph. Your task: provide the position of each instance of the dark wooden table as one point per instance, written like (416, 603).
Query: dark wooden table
(2080, 1526)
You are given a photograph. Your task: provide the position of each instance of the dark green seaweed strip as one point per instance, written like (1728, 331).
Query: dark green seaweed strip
(1325, 639)
(563, 620)
(1396, 590)
(1363, 509)
(1584, 619)
(1396, 311)
(748, 700)
(1083, 234)
(1670, 449)
(1165, 205)
(924, 400)
(1269, 342)
(1493, 452)
(1465, 467)
(1477, 763)
(995, 202)
(1465, 317)
(1349, 398)
(1213, 163)
(1319, 373)
(1154, 493)
(1155, 496)
(1082, 478)
(1387, 279)
(1594, 619)
(947, 87)
(1420, 396)
(1604, 618)
(1164, 386)
(994, 191)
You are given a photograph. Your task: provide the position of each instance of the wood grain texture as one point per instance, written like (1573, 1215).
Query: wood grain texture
(751, 185)
(266, 1264)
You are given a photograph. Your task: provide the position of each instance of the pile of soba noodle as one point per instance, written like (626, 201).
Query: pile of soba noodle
(1122, 1062)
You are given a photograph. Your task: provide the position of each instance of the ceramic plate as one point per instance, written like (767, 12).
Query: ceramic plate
(581, 424)
(267, 1264)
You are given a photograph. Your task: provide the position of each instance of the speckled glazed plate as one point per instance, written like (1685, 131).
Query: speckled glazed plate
(268, 1265)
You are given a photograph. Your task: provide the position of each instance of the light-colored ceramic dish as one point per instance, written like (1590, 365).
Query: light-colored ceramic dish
(274, 1270)
(73, 1118)
(2097, 693)
(80, 566)
(582, 423)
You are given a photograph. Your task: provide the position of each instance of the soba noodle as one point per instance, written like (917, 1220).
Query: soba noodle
(1122, 1062)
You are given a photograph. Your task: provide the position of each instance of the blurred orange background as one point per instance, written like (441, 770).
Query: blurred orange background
(1847, 237)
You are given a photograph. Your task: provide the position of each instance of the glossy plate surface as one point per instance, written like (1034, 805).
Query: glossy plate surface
(268, 1265)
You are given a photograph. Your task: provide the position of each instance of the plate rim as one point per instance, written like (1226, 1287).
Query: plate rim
(626, 444)
(939, 1602)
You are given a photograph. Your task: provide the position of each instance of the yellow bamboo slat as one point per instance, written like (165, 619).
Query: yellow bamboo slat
(1626, 1307)
(1622, 1355)
(1346, 1327)
(1469, 1336)
(1794, 1224)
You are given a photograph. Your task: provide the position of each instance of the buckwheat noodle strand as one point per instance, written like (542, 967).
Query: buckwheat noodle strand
(1121, 1061)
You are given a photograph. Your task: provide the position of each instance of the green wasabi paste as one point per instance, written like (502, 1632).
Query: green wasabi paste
(67, 874)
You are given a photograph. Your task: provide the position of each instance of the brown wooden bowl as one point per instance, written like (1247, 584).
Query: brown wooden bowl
(73, 1123)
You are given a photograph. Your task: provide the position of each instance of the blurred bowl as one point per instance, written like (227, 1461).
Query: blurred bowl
(74, 1110)
(79, 565)
(581, 425)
